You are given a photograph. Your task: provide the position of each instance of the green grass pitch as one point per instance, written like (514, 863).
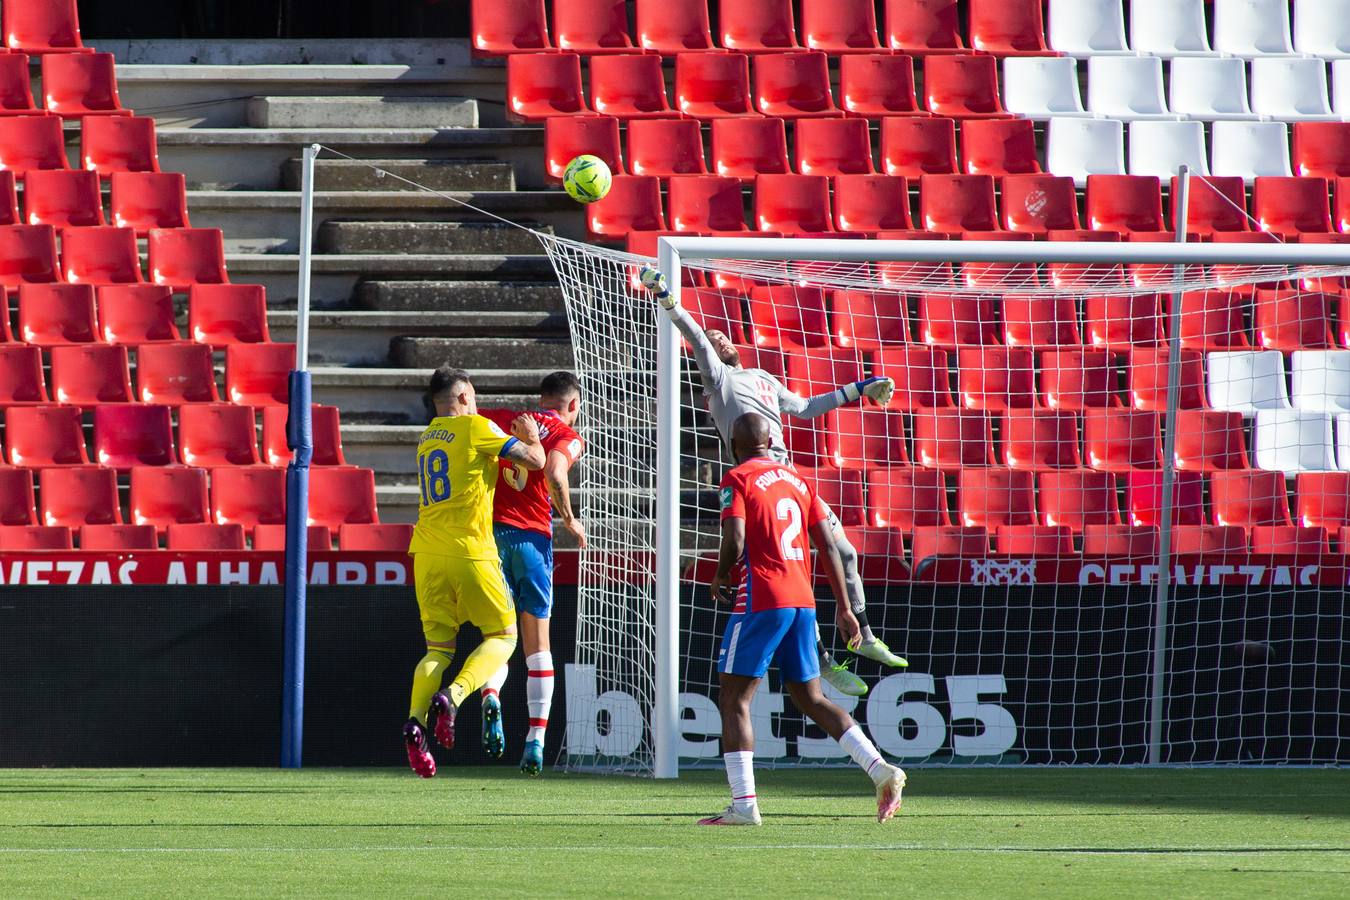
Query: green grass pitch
(478, 832)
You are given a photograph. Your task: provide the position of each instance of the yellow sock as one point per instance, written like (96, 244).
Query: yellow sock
(427, 681)
(485, 660)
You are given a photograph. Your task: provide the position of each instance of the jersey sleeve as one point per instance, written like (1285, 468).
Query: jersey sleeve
(732, 497)
(488, 438)
(566, 442)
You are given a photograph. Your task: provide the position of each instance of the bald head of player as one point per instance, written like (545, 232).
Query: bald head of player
(560, 392)
(750, 437)
(726, 351)
(451, 393)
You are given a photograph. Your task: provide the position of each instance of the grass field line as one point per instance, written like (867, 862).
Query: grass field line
(611, 848)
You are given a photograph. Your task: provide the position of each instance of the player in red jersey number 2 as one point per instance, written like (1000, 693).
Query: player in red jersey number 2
(767, 509)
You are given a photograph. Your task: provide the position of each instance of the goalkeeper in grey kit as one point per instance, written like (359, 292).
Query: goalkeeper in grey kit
(731, 392)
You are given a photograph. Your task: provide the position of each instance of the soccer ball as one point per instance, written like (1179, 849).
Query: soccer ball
(586, 179)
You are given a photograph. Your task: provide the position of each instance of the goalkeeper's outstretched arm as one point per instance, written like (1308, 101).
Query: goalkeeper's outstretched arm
(710, 366)
(879, 388)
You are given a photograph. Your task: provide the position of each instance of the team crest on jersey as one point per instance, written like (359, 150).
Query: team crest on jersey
(726, 497)
(496, 429)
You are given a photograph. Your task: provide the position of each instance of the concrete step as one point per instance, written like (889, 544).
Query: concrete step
(438, 174)
(459, 295)
(362, 112)
(424, 237)
(394, 396)
(472, 353)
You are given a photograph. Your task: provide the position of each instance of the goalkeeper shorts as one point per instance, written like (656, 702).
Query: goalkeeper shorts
(527, 563)
(786, 637)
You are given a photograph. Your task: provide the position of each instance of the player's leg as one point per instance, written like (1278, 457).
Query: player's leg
(534, 606)
(483, 600)
(867, 643)
(435, 601)
(835, 673)
(493, 731)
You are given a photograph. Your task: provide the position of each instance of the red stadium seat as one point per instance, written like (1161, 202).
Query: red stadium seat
(51, 314)
(39, 436)
(747, 147)
(870, 203)
(174, 374)
(632, 204)
(43, 26)
(1290, 319)
(508, 26)
(793, 85)
(16, 497)
(258, 374)
(951, 320)
(34, 537)
(1215, 203)
(914, 147)
(906, 498)
(591, 26)
(27, 255)
(81, 84)
(79, 495)
(32, 142)
(181, 257)
(840, 26)
(1008, 27)
(1037, 204)
(1117, 440)
(340, 495)
(806, 442)
(90, 374)
(540, 85)
(996, 378)
(952, 439)
(628, 85)
(567, 137)
(665, 147)
(117, 538)
(136, 314)
(920, 375)
(1321, 149)
(326, 433)
(999, 147)
(168, 495)
(206, 536)
(16, 92)
(61, 197)
(755, 26)
(102, 254)
(1291, 206)
(1249, 498)
(1209, 540)
(792, 204)
(841, 489)
(9, 198)
(1289, 540)
(1323, 499)
(905, 275)
(272, 538)
(127, 435)
(1120, 541)
(962, 87)
(833, 147)
(218, 434)
(1039, 321)
(1210, 441)
(706, 203)
(923, 26)
(21, 375)
(822, 370)
(957, 203)
(1078, 380)
(1143, 498)
(716, 310)
(1122, 321)
(1147, 377)
(988, 498)
(1124, 203)
(375, 538)
(930, 541)
(877, 86)
(224, 314)
(1213, 320)
(1034, 540)
(118, 144)
(998, 276)
(1077, 498)
(1040, 439)
(251, 495)
(869, 320)
(147, 200)
(713, 85)
(867, 438)
(673, 28)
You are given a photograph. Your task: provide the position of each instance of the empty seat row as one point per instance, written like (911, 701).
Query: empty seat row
(73, 197)
(108, 144)
(42, 26)
(370, 537)
(166, 373)
(107, 254)
(74, 85)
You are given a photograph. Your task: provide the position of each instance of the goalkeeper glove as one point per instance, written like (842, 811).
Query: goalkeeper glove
(655, 282)
(879, 388)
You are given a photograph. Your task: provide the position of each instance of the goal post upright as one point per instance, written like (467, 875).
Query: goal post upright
(666, 706)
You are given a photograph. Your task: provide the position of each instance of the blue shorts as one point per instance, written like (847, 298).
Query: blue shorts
(527, 563)
(785, 636)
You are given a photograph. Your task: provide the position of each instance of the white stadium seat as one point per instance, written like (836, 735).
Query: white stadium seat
(1041, 87)
(1250, 149)
(1209, 88)
(1322, 28)
(1084, 28)
(1246, 381)
(1127, 87)
(1340, 88)
(1321, 380)
(1169, 28)
(1294, 441)
(1290, 89)
(1082, 147)
(1343, 441)
(1251, 28)
(1158, 148)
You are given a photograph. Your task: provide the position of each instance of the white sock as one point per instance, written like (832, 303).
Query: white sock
(741, 776)
(864, 753)
(495, 681)
(538, 693)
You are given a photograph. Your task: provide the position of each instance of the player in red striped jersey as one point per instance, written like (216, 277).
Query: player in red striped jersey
(766, 510)
(522, 522)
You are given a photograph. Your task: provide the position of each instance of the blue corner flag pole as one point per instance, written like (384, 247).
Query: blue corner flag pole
(299, 438)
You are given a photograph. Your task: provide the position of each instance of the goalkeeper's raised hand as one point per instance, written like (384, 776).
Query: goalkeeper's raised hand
(654, 281)
(879, 388)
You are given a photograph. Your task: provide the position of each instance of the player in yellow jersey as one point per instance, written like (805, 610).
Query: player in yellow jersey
(455, 563)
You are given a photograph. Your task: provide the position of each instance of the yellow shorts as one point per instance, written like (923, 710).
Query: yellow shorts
(452, 591)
